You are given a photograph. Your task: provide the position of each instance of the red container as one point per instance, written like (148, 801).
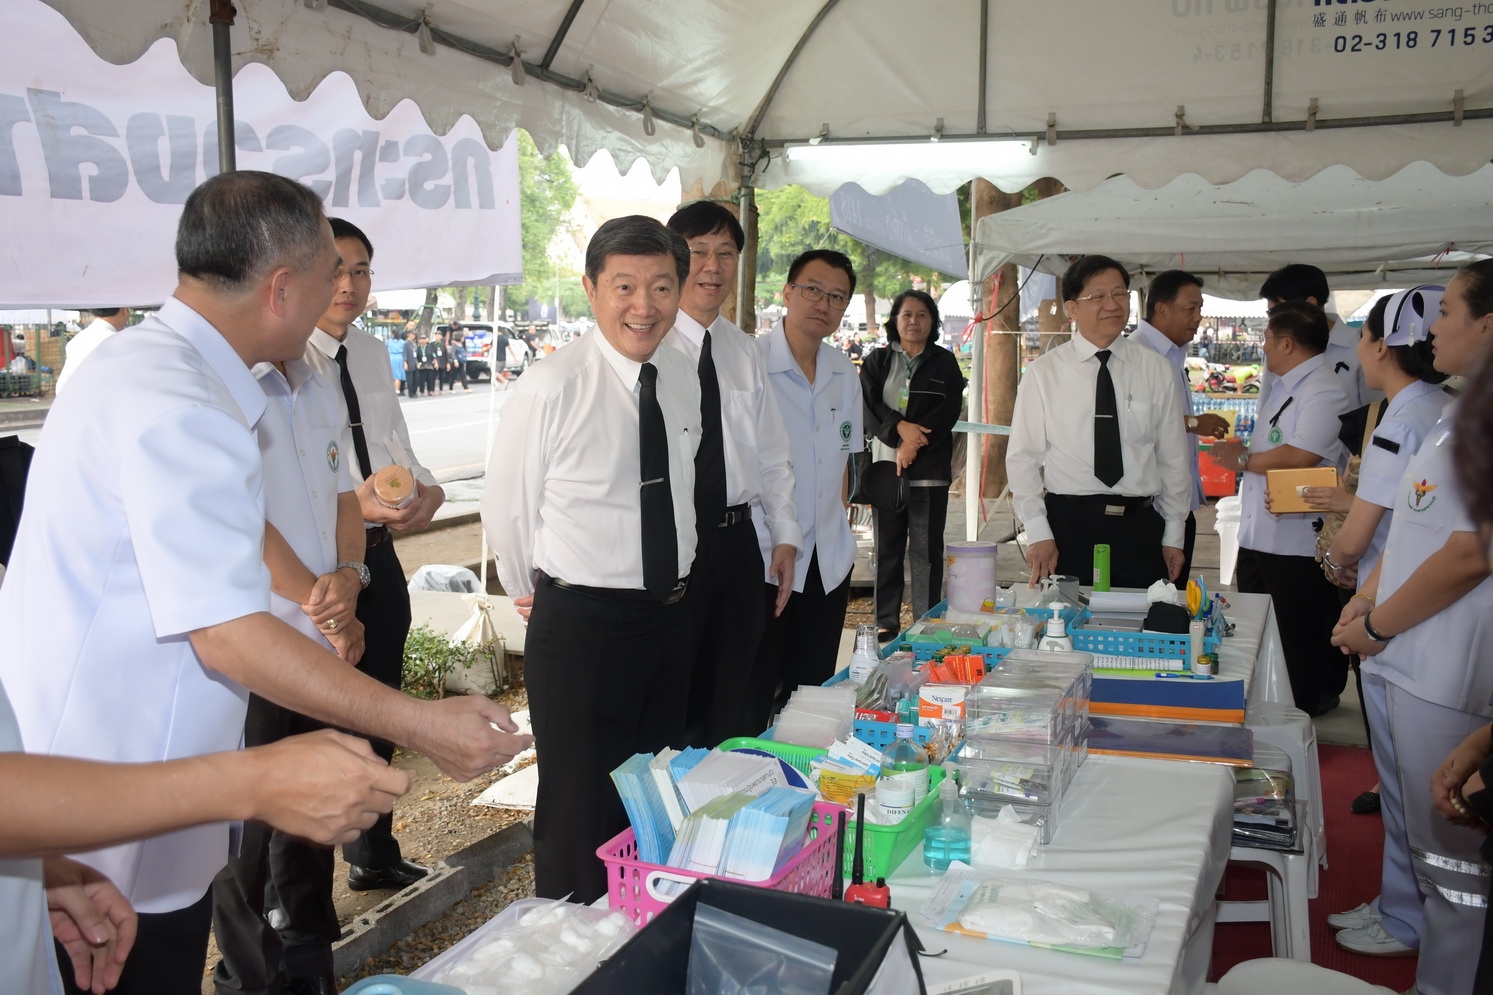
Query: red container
(1218, 481)
(641, 890)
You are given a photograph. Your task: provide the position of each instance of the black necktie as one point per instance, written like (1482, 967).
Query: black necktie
(1109, 462)
(660, 545)
(710, 459)
(354, 414)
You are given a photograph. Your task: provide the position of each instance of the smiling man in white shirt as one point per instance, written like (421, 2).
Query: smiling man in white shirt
(742, 473)
(1098, 450)
(589, 508)
(819, 396)
(137, 603)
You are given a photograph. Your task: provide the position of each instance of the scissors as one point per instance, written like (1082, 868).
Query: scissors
(1194, 599)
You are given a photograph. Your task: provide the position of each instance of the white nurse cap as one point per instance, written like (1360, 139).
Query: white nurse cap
(1410, 313)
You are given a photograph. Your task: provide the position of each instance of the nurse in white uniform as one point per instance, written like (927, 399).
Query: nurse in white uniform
(1423, 619)
(1396, 360)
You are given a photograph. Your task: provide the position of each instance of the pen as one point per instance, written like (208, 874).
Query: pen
(1178, 676)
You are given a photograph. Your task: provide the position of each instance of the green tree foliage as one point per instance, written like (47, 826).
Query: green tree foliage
(791, 220)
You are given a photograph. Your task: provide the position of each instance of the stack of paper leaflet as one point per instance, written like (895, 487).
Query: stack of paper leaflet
(817, 716)
(712, 812)
(738, 836)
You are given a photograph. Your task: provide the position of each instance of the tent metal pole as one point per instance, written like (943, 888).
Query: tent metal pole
(559, 39)
(220, 17)
(746, 274)
(974, 479)
(984, 69)
(1268, 114)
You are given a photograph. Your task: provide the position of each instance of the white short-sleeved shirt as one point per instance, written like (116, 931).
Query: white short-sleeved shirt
(1303, 411)
(144, 522)
(384, 429)
(308, 453)
(81, 347)
(26, 951)
(1445, 659)
(824, 422)
(1408, 419)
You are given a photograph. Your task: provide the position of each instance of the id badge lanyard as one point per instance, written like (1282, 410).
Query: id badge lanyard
(1276, 434)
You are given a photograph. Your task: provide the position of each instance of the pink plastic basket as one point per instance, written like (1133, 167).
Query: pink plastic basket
(642, 890)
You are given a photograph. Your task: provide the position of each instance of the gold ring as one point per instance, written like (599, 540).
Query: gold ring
(331, 623)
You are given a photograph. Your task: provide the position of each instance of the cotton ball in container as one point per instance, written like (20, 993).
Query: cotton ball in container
(526, 966)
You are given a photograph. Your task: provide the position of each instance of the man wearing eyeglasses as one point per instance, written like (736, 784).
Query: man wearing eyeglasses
(742, 476)
(818, 394)
(1098, 451)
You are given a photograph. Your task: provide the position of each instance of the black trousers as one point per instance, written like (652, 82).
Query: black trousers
(1079, 523)
(801, 645)
(726, 626)
(607, 677)
(1306, 608)
(251, 950)
(920, 525)
(168, 957)
(302, 872)
(427, 381)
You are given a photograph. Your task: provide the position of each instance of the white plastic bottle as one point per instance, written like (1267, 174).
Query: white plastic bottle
(907, 761)
(1055, 636)
(866, 657)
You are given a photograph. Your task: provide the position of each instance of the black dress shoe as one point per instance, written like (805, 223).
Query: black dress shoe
(396, 876)
(323, 985)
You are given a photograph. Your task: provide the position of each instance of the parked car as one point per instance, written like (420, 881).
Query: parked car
(479, 338)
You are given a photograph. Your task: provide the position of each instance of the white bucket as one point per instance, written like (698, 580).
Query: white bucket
(1228, 549)
(971, 574)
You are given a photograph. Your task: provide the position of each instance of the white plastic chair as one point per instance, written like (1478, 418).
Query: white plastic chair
(1291, 730)
(1272, 974)
(1286, 908)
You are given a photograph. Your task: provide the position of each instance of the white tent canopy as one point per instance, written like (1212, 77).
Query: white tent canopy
(879, 90)
(1415, 227)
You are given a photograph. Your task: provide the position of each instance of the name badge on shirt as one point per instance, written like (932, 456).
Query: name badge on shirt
(334, 455)
(845, 436)
(1275, 435)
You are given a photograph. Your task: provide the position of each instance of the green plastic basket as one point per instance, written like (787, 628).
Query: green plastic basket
(883, 847)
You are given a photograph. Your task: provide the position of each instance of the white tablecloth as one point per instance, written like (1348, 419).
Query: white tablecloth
(1140, 827)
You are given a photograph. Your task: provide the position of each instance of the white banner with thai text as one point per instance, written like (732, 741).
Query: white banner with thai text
(96, 161)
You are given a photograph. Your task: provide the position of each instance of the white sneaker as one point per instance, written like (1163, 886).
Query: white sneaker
(1353, 918)
(1373, 941)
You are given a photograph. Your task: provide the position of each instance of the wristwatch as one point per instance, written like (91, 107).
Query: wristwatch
(1244, 455)
(361, 569)
(1192, 424)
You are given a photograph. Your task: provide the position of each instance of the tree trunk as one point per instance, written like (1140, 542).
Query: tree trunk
(461, 303)
(492, 302)
(427, 313)
(867, 278)
(1003, 339)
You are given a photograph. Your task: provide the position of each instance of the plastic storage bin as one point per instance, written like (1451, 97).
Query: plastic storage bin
(883, 848)
(642, 890)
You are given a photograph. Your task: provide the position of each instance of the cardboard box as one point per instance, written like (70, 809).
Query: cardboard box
(1286, 486)
(941, 701)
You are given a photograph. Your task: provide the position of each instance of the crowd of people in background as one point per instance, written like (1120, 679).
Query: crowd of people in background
(427, 363)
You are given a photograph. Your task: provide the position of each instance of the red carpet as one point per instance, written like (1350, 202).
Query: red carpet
(1354, 849)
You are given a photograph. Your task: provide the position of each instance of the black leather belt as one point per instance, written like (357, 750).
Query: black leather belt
(1117, 505)
(376, 535)
(618, 593)
(739, 514)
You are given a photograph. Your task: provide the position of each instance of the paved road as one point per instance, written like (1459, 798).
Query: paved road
(448, 431)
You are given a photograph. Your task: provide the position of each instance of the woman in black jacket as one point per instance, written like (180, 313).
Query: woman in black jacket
(913, 392)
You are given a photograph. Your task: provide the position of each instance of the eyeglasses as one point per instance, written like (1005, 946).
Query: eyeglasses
(1121, 297)
(814, 295)
(359, 273)
(724, 255)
